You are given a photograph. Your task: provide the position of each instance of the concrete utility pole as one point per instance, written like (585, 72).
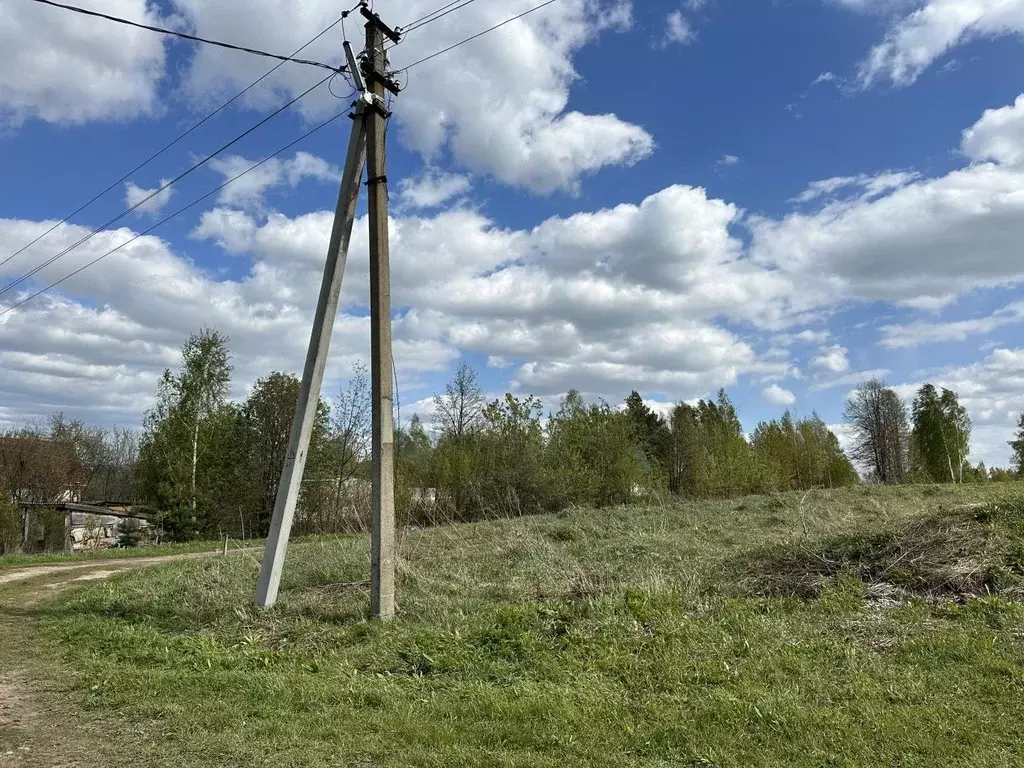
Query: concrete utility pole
(316, 360)
(382, 555)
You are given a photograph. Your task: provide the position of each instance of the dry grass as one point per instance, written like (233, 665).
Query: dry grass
(955, 553)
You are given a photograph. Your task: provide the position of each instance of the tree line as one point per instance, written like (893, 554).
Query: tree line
(927, 444)
(204, 465)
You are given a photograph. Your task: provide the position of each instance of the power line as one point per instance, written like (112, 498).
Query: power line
(428, 18)
(441, 16)
(156, 192)
(163, 149)
(176, 213)
(185, 35)
(474, 37)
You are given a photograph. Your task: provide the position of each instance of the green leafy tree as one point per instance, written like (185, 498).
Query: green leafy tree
(1017, 445)
(940, 440)
(800, 455)
(511, 474)
(265, 424)
(415, 451)
(175, 441)
(684, 449)
(1001, 475)
(651, 433)
(593, 454)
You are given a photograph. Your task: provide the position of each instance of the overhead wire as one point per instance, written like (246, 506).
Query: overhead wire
(459, 4)
(434, 15)
(185, 35)
(170, 144)
(160, 189)
(178, 212)
(474, 37)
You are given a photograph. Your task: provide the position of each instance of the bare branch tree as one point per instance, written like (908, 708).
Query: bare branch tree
(459, 411)
(881, 433)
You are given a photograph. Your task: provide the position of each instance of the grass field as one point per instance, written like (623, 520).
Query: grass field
(862, 627)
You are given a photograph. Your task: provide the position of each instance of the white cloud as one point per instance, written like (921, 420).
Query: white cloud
(135, 195)
(849, 379)
(916, 40)
(663, 295)
(432, 189)
(61, 67)
(998, 135)
(917, 333)
(678, 29)
(496, 106)
(776, 395)
(871, 186)
(824, 77)
(727, 160)
(831, 360)
(249, 190)
(908, 245)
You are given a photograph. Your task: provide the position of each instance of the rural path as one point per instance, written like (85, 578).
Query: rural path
(98, 569)
(41, 722)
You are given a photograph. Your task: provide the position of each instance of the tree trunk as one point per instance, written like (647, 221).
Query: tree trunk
(195, 461)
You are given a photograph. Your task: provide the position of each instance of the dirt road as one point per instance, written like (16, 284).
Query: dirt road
(97, 569)
(41, 721)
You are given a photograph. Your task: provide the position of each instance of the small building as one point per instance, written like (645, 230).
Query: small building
(96, 531)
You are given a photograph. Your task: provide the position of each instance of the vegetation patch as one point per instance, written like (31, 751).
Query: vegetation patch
(956, 553)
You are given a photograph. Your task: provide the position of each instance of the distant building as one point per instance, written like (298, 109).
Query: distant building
(94, 531)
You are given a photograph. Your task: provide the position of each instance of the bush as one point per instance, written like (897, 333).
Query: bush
(593, 457)
(130, 533)
(497, 470)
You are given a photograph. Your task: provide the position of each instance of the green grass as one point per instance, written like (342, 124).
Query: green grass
(624, 637)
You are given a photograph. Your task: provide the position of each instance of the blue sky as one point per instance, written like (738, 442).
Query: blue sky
(778, 198)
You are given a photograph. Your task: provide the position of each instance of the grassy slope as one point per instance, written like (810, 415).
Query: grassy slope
(610, 638)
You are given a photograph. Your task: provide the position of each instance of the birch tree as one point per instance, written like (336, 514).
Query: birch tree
(173, 440)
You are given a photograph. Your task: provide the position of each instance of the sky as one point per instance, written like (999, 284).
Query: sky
(779, 198)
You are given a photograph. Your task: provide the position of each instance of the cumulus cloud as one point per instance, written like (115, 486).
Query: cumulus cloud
(61, 67)
(249, 190)
(776, 395)
(831, 359)
(496, 106)
(998, 136)
(432, 189)
(663, 294)
(605, 301)
(150, 201)
(905, 240)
